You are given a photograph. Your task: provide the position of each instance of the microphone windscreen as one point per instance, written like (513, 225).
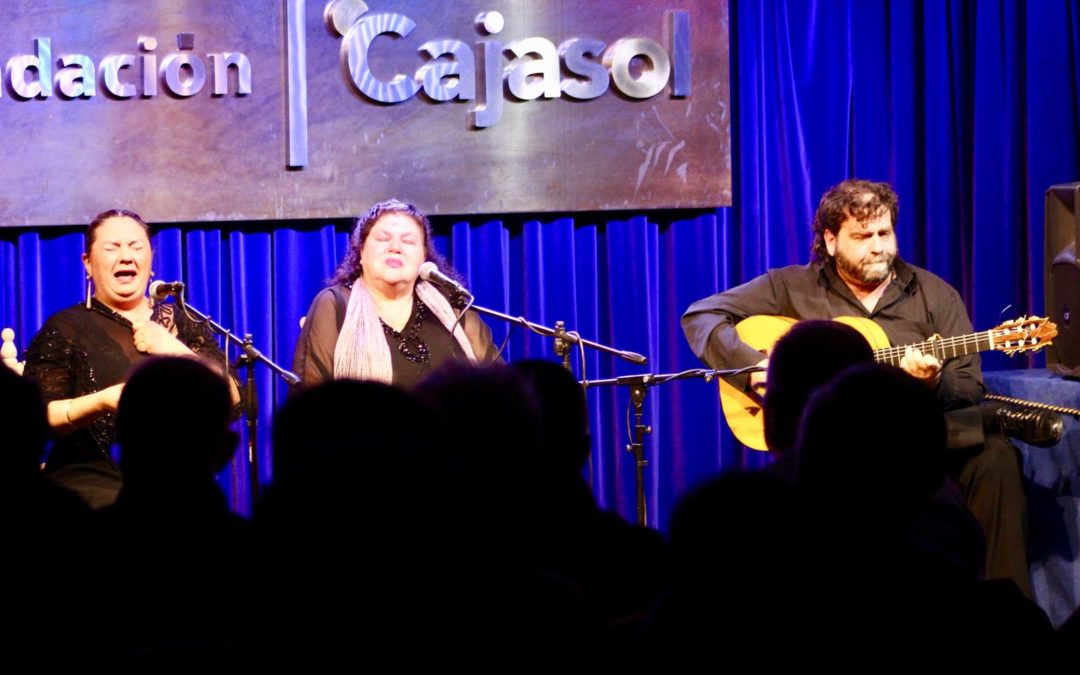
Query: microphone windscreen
(155, 291)
(426, 270)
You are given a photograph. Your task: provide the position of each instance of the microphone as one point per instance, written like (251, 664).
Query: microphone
(159, 290)
(430, 273)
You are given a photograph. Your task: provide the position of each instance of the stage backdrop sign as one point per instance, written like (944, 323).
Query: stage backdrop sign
(246, 110)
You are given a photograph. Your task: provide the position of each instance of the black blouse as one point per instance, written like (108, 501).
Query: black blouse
(314, 357)
(80, 351)
(441, 346)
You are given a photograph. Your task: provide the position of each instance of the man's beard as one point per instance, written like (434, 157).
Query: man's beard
(866, 271)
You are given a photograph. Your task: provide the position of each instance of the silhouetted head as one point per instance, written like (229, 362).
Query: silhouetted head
(22, 423)
(492, 421)
(564, 418)
(173, 422)
(350, 428)
(732, 531)
(871, 449)
(806, 357)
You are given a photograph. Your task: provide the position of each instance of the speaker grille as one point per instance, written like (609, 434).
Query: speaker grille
(1065, 279)
(1062, 269)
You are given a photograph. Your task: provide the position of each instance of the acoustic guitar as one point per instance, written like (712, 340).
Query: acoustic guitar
(742, 406)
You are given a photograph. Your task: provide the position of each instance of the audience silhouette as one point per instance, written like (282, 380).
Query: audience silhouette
(618, 568)
(871, 459)
(356, 530)
(516, 607)
(451, 528)
(803, 359)
(43, 528)
(173, 547)
(808, 357)
(737, 577)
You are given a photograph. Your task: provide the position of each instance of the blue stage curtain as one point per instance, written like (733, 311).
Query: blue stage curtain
(969, 109)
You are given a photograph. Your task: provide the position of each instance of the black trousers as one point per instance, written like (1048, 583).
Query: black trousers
(990, 476)
(96, 483)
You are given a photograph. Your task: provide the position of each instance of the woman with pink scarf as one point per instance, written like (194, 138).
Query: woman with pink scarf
(378, 320)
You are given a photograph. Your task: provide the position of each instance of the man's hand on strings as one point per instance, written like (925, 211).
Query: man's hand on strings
(921, 366)
(757, 380)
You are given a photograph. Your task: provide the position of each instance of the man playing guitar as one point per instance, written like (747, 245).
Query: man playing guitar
(856, 271)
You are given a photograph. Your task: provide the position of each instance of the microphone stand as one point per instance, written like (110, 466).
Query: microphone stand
(638, 386)
(563, 338)
(563, 341)
(247, 359)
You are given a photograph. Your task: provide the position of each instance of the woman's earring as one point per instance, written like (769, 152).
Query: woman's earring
(89, 291)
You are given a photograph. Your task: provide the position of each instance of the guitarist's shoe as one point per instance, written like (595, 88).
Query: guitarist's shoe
(1041, 428)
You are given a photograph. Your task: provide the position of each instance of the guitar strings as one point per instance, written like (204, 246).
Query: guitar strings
(941, 347)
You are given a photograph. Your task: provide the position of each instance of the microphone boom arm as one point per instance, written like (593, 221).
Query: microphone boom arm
(570, 338)
(252, 353)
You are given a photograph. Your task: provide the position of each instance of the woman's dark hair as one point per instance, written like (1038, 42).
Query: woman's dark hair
(350, 268)
(862, 200)
(91, 229)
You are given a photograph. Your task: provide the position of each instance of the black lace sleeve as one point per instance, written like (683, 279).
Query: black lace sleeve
(313, 360)
(52, 360)
(196, 336)
(59, 362)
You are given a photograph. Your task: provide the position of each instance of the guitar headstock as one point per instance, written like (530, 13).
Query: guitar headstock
(1026, 334)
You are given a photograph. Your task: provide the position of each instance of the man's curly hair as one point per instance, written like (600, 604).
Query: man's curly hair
(863, 200)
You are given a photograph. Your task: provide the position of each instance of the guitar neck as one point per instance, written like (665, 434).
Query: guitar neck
(942, 349)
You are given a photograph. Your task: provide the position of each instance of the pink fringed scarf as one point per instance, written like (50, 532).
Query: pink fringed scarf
(362, 353)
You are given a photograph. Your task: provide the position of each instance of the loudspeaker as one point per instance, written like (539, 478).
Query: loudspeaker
(1063, 276)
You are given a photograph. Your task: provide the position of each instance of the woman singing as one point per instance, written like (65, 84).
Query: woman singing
(82, 356)
(377, 320)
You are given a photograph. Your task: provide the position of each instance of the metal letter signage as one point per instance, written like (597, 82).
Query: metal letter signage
(251, 110)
